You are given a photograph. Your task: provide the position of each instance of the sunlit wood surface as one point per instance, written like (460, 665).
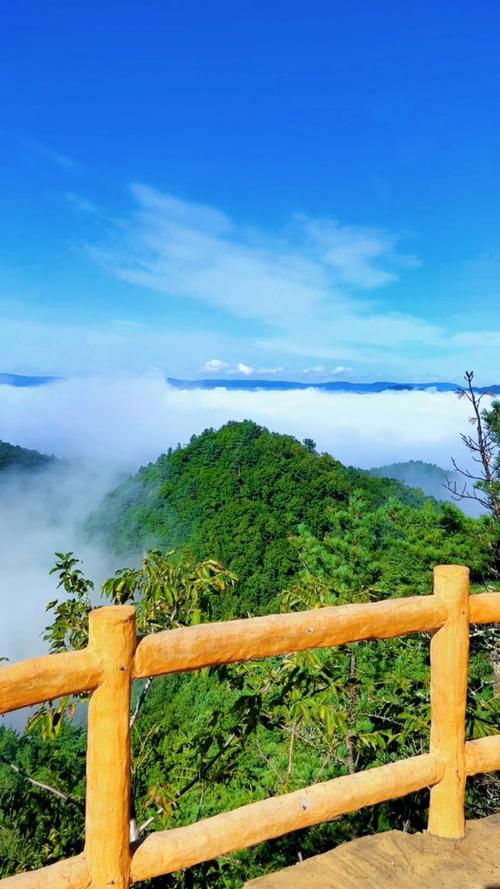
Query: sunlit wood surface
(402, 860)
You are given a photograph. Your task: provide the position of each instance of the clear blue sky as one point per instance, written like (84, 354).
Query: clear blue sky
(299, 189)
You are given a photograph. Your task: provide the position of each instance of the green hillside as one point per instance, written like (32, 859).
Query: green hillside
(15, 457)
(236, 495)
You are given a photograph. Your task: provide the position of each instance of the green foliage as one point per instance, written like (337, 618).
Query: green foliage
(169, 590)
(36, 827)
(69, 628)
(236, 495)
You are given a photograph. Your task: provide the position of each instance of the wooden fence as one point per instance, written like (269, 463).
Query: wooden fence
(114, 658)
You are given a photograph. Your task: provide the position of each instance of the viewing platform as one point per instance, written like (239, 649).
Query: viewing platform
(397, 860)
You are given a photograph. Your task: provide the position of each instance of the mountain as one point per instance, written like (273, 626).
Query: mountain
(418, 474)
(15, 457)
(331, 386)
(254, 385)
(25, 381)
(236, 495)
(431, 479)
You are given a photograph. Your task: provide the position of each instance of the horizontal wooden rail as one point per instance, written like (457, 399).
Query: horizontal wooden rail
(50, 676)
(73, 873)
(482, 755)
(236, 641)
(485, 608)
(169, 850)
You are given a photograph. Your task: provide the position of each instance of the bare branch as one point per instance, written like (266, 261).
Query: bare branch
(483, 448)
(53, 790)
(142, 697)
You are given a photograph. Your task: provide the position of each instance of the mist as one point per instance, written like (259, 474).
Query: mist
(128, 421)
(40, 512)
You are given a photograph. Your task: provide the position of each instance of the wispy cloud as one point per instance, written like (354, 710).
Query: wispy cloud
(358, 256)
(51, 154)
(303, 285)
(81, 204)
(215, 365)
(270, 371)
(317, 369)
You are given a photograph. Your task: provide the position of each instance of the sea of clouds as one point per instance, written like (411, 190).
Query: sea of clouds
(127, 421)
(108, 426)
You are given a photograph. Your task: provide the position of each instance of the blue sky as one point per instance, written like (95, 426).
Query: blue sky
(287, 189)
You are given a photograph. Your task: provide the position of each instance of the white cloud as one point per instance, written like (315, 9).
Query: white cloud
(245, 369)
(131, 420)
(302, 296)
(215, 365)
(340, 369)
(270, 370)
(354, 252)
(317, 369)
(297, 285)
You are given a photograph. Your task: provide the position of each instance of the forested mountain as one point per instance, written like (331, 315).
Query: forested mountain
(236, 495)
(15, 457)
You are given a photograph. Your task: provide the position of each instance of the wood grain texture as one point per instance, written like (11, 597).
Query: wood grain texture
(449, 674)
(482, 755)
(397, 860)
(485, 608)
(72, 873)
(171, 850)
(44, 678)
(191, 648)
(107, 822)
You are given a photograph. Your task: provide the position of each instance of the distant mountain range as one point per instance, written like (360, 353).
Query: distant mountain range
(254, 385)
(24, 381)
(417, 474)
(431, 479)
(331, 386)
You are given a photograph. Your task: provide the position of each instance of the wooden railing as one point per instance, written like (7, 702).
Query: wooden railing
(114, 658)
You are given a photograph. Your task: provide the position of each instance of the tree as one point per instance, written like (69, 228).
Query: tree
(484, 446)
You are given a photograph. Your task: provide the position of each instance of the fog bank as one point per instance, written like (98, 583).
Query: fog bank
(131, 420)
(41, 512)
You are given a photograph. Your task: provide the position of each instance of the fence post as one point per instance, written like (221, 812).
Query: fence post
(107, 820)
(449, 666)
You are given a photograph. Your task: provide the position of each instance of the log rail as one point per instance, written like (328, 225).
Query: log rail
(115, 657)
